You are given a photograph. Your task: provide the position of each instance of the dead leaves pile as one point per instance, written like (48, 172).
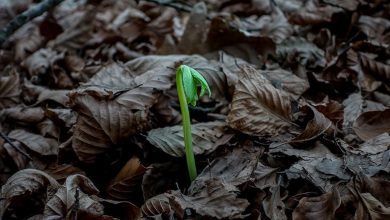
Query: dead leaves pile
(297, 126)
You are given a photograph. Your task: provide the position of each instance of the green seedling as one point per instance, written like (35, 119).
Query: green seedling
(187, 81)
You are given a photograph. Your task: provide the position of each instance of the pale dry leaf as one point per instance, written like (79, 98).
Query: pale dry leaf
(375, 145)
(371, 124)
(48, 129)
(128, 181)
(206, 137)
(26, 184)
(258, 108)
(350, 5)
(23, 115)
(215, 199)
(374, 27)
(9, 90)
(273, 205)
(375, 68)
(38, 94)
(35, 142)
(78, 191)
(156, 205)
(65, 117)
(322, 207)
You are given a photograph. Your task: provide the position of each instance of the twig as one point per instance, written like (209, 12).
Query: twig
(25, 17)
(6, 139)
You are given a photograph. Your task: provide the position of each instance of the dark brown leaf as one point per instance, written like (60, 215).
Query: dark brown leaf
(258, 108)
(371, 124)
(9, 90)
(273, 205)
(36, 143)
(156, 205)
(371, 208)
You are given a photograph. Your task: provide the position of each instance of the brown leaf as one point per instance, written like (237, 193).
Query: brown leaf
(321, 207)
(313, 15)
(9, 90)
(127, 182)
(316, 127)
(235, 168)
(257, 107)
(371, 208)
(156, 205)
(36, 143)
(273, 205)
(214, 199)
(374, 27)
(19, 159)
(61, 171)
(37, 94)
(78, 191)
(332, 110)
(375, 68)
(23, 115)
(371, 124)
(348, 5)
(47, 128)
(26, 184)
(206, 137)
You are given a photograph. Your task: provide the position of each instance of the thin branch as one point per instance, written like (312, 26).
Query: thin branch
(6, 139)
(25, 17)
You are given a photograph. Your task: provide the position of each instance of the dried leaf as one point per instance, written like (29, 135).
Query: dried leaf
(265, 176)
(61, 172)
(257, 107)
(371, 124)
(206, 138)
(315, 128)
(156, 205)
(19, 159)
(375, 68)
(374, 27)
(213, 197)
(23, 115)
(127, 182)
(321, 207)
(273, 205)
(348, 5)
(9, 90)
(371, 208)
(41, 94)
(77, 191)
(26, 184)
(36, 143)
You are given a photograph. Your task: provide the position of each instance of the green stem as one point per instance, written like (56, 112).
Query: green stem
(186, 126)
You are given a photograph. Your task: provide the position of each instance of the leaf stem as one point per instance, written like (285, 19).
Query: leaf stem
(186, 126)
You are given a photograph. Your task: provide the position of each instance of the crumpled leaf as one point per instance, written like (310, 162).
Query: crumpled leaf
(61, 171)
(300, 50)
(374, 27)
(127, 182)
(77, 191)
(23, 115)
(26, 184)
(210, 199)
(371, 124)
(9, 90)
(321, 207)
(35, 142)
(258, 108)
(206, 137)
(375, 68)
(316, 127)
(265, 176)
(348, 5)
(38, 94)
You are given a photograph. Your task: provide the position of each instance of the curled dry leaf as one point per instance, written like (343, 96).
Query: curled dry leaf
(206, 138)
(316, 127)
(38, 94)
(74, 196)
(26, 184)
(210, 199)
(23, 115)
(19, 159)
(371, 124)
(35, 142)
(348, 5)
(9, 90)
(371, 208)
(156, 205)
(126, 183)
(321, 207)
(265, 176)
(374, 27)
(61, 172)
(258, 108)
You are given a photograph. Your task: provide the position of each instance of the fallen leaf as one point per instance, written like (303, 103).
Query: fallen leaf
(23, 115)
(257, 107)
(35, 142)
(273, 205)
(206, 137)
(371, 124)
(265, 176)
(371, 208)
(9, 90)
(156, 205)
(321, 207)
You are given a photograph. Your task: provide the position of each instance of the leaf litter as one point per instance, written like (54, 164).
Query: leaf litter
(296, 127)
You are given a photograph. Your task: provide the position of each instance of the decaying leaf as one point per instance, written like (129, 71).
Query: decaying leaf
(9, 90)
(74, 196)
(27, 184)
(206, 138)
(210, 199)
(321, 207)
(35, 142)
(273, 205)
(371, 208)
(258, 108)
(156, 205)
(265, 176)
(127, 182)
(375, 68)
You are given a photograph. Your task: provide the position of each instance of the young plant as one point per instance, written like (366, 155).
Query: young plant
(187, 81)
